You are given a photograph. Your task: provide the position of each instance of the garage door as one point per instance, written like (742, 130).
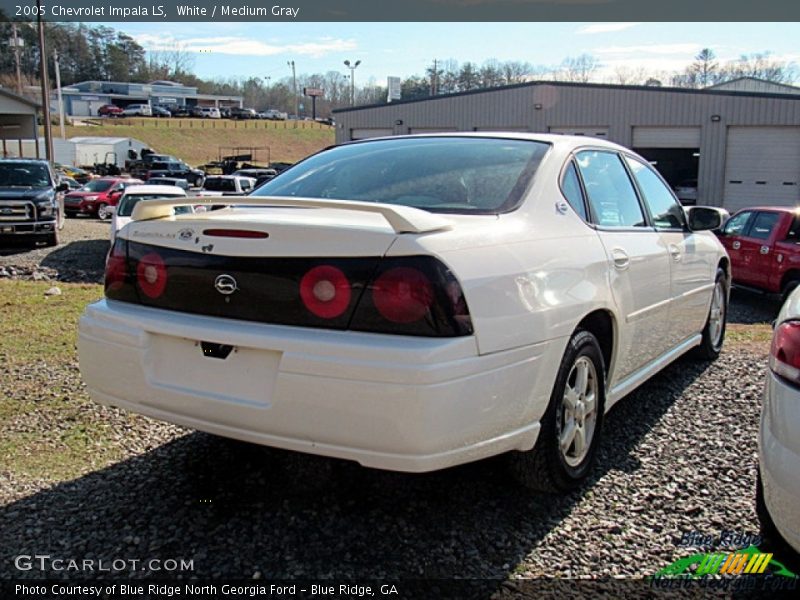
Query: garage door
(762, 167)
(587, 130)
(431, 129)
(364, 133)
(666, 137)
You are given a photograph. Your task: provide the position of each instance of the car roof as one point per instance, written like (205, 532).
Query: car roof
(556, 139)
(24, 159)
(780, 209)
(154, 189)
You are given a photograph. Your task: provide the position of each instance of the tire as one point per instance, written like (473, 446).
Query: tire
(199, 181)
(549, 466)
(51, 239)
(714, 330)
(102, 212)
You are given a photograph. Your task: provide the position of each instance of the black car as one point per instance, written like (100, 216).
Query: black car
(175, 169)
(243, 113)
(180, 111)
(31, 200)
(160, 111)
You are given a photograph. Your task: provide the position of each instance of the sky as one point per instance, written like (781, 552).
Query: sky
(223, 50)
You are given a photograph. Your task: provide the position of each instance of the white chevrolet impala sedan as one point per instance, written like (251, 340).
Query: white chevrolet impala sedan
(413, 303)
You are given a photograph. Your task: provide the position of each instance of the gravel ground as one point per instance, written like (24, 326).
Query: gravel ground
(679, 455)
(79, 257)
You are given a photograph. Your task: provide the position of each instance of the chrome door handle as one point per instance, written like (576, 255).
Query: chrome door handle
(621, 260)
(764, 250)
(736, 245)
(675, 252)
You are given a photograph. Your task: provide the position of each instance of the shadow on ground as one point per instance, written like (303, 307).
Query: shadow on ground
(750, 307)
(236, 508)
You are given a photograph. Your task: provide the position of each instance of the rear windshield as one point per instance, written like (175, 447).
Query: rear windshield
(125, 208)
(438, 174)
(98, 185)
(24, 175)
(216, 184)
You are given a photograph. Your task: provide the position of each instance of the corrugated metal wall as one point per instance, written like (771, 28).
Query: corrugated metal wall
(538, 107)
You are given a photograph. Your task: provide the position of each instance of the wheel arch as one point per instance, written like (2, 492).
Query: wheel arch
(602, 324)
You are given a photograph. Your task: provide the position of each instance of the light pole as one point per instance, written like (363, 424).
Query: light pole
(294, 86)
(352, 80)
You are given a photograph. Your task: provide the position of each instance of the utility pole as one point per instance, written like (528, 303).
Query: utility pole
(434, 77)
(60, 98)
(17, 43)
(352, 80)
(294, 86)
(48, 132)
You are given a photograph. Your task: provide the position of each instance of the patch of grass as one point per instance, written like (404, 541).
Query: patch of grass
(756, 335)
(35, 327)
(198, 141)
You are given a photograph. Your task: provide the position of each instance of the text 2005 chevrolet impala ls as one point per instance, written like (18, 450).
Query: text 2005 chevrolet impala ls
(413, 303)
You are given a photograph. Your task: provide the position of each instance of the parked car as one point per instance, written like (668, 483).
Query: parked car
(31, 200)
(260, 175)
(413, 303)
(243, 113)
(175, 168)
(207, 112)
(778, 488)
(160, 111)
(227, 185)
(686, 191)
(764, 246)
(71, 183)
(109, 110)
(177, 182)
(77, 174)
(180, 111)
(225, 112)
(97, 196)
(275, 115)
(138, 110)
(138, 193)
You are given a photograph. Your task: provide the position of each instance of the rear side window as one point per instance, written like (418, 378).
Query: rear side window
(612, 197)
(571, 188)
(664, 209)
(763, 225)
(439, 174)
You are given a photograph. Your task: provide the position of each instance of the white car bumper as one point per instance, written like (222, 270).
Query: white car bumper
(779, 451)
(391, 402)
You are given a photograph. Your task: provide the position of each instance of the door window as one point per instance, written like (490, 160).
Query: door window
(737, 224)
(612, 198)
(665, 211)
(763, 225)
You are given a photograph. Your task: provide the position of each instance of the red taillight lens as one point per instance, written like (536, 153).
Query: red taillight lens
(402, 295)
(116, 269)
(325, 291)
(151, 274)
(784, 356)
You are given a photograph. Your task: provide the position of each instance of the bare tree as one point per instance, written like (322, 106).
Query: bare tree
(579, 69)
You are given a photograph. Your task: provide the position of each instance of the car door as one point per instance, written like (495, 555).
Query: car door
(639, 274)
(731, 237)
(760, 250)
(693, 256)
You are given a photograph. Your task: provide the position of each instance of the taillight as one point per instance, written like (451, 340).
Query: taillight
(116, 268)
(325, 291)
(402, 295)
(784, 356)
(151, 275)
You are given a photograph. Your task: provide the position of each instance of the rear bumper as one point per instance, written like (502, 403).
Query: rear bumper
(779, 456)
(391, 402)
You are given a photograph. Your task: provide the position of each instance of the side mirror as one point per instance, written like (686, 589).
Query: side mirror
(705, 218)
(62, 187)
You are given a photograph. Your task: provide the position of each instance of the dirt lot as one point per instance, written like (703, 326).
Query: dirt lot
(79, 480)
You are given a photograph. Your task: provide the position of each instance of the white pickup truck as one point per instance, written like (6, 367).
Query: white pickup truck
(227, 185)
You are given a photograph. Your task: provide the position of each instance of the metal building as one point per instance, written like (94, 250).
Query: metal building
(742, 147)
(17, 122)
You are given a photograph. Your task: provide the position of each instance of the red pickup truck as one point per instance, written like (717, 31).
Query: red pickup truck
(764, 246)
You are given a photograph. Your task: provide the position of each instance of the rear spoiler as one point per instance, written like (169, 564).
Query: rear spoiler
(403, 219)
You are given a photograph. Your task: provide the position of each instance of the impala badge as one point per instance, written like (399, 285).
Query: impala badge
(225, 285)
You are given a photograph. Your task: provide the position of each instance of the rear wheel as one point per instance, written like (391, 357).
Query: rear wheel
(570, 428)
(714, 331)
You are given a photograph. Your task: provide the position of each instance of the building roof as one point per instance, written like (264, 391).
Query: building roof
(569, 84)
(13, 96)
(743, 84)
